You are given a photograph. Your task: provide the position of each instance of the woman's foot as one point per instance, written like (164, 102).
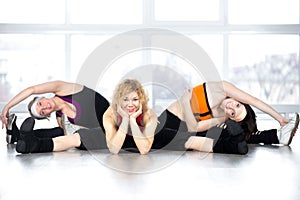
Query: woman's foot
(68, 127)
(286, 133)
(27, 141)
(12, 133)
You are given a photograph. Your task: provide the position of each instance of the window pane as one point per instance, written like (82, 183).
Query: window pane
(82, 47)
(32, 11)
(106, 12)
(263, 12)
(266, 65)
(187, 10)
(213, 46)
(29, 59)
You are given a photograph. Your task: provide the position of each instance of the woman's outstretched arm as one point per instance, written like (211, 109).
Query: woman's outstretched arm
(241, 96)
(48, 87)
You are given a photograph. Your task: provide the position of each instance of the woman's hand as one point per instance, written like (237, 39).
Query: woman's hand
(137, 113)
(4, 116)
(283, 121)
(122, 112)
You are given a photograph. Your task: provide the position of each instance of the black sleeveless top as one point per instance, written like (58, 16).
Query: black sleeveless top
(90, 107)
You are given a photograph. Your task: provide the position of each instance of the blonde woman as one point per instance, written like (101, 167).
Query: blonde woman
(129, 122)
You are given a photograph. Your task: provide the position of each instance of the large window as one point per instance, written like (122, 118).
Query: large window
(266, 65)
(253, 43)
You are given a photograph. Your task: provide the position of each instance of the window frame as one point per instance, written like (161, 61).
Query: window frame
(185, 27)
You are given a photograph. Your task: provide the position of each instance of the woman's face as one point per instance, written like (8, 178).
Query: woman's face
(233, 109)
(130, 103)
(45, 106)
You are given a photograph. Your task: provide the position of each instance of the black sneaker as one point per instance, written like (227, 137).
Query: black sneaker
(27, 137)
(27, 126)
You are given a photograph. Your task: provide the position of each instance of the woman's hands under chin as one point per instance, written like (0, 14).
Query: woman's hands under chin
(122, 112)
(137, 113)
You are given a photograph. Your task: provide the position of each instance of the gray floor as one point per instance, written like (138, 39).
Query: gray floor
(266, 172)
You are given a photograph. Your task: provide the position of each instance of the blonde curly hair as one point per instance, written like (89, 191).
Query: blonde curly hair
(125, 87)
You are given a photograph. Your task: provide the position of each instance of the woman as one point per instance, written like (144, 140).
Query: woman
(82, 106)
(208, 105)
(129, 121)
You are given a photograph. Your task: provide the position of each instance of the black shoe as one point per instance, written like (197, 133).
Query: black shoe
(228, 138)
(12, 133)
(27, 139)
(27, 126)
(29, 142)
(234, 128)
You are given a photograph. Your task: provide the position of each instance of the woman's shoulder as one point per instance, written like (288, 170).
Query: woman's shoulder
(108, 113)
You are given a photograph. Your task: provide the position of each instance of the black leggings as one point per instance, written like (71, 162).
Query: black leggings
(266, 137)
(171, 133)
(49, 132)
(92, 139)
(230, 140)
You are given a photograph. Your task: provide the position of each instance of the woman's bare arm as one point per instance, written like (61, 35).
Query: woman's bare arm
(244, 97)
(144, 139)
(48, 87)
(115, 136)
